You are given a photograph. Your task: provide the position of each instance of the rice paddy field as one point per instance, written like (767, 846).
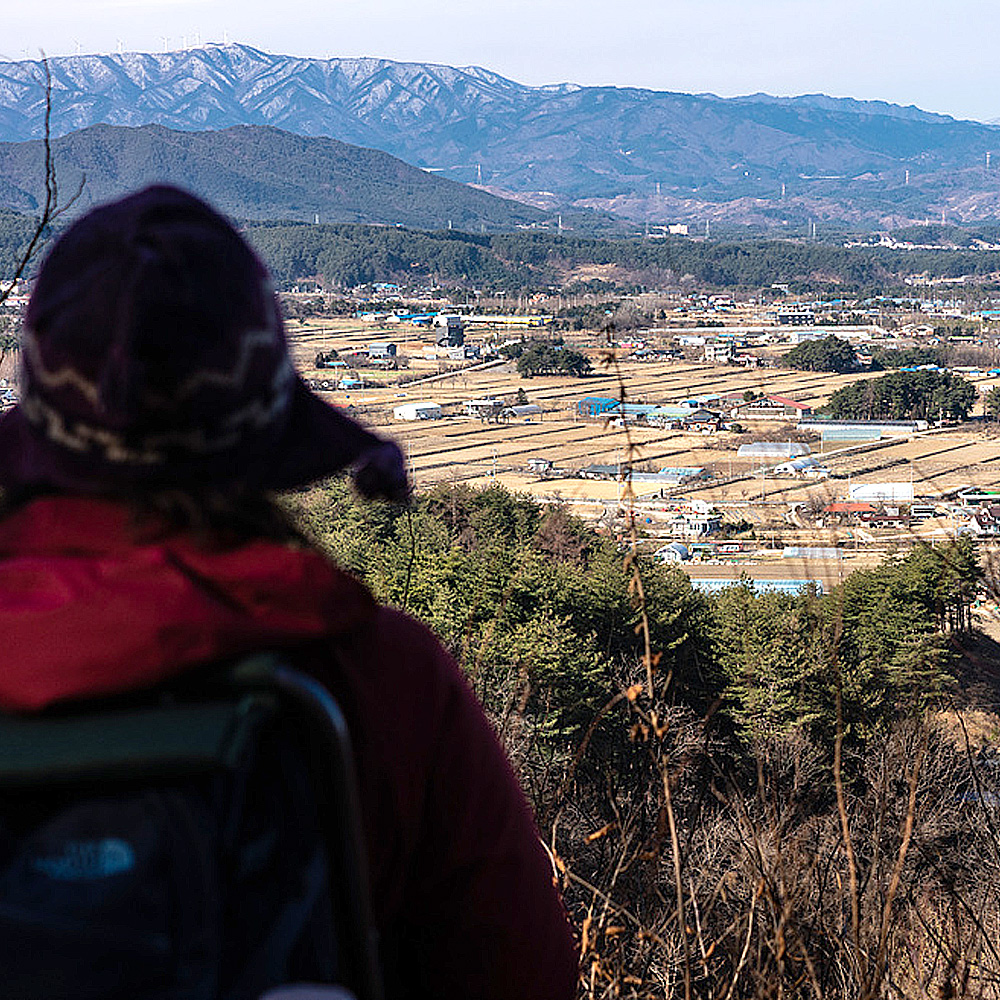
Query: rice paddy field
(462, 449)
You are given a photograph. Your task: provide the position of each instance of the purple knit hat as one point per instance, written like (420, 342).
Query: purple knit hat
(154, 356)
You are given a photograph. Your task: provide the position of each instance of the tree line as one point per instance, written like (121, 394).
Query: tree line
(348, 255)
(919, 395)
(834, 354)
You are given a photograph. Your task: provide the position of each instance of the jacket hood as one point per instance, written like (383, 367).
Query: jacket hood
(87, 607)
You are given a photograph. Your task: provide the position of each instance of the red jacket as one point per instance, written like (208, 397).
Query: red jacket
(462, 890)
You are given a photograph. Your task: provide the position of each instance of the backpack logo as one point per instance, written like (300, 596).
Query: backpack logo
(87, 859)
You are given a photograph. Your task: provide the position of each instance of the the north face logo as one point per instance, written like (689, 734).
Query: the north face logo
(86, 859)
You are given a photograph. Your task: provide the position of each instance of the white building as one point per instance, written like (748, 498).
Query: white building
(807, 466)
(675, 552)
(719, 352)
(417, 411)
(882, 492)
(760, 450)
(485, 408)
(694, 525)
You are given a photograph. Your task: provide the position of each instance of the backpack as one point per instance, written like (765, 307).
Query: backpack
(197, 842)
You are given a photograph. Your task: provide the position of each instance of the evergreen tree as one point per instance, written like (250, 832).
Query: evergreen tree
(831, 354)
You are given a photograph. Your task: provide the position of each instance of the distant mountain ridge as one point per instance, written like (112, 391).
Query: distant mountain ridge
(255, 172)
(652, 155)
(847, 105)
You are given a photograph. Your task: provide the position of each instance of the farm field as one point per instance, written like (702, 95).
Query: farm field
(458, 448)
(462, 448)
(828, 573)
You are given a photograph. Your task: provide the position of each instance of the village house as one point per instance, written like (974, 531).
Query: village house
(673, 552)
(888, 517)
(694, 524)
(719, 352)
(487, 408)
(986, 520)
(845, 512)
(702, 421)
(771, 408)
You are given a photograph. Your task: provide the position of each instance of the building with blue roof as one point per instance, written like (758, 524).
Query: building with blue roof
(595, 406)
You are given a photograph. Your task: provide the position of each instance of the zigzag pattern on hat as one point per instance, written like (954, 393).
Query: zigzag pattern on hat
(115, 447)
(233, 378)
(57, 378)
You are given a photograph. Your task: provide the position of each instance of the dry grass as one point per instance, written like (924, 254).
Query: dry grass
(691, 869)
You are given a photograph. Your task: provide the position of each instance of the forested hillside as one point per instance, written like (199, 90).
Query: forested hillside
(344, 256)
(778, 805)
(16, 231)
(511, 585)
(257, 173)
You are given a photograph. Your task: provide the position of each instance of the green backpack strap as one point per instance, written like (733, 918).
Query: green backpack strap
(130, 743)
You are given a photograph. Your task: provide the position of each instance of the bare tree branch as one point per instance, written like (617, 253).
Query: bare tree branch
(51, 209)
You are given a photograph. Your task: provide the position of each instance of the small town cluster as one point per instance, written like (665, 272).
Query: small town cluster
(690, 411)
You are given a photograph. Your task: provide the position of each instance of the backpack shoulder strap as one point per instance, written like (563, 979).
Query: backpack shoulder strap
(144, 740)
(334, 784)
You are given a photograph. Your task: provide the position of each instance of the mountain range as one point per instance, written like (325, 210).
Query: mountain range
(651, 155)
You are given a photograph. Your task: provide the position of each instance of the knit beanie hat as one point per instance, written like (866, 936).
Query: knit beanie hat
(154, 356)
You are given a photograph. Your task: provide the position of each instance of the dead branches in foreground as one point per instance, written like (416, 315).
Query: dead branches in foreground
(691, 873)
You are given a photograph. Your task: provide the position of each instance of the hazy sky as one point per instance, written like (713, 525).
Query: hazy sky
(939, 56)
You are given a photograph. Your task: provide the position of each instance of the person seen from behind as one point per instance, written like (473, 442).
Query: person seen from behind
(159, 411)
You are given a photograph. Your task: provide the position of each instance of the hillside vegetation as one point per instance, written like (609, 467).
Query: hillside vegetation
(345, 256)
(256, 173)
(773, 804)
(16, 230)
